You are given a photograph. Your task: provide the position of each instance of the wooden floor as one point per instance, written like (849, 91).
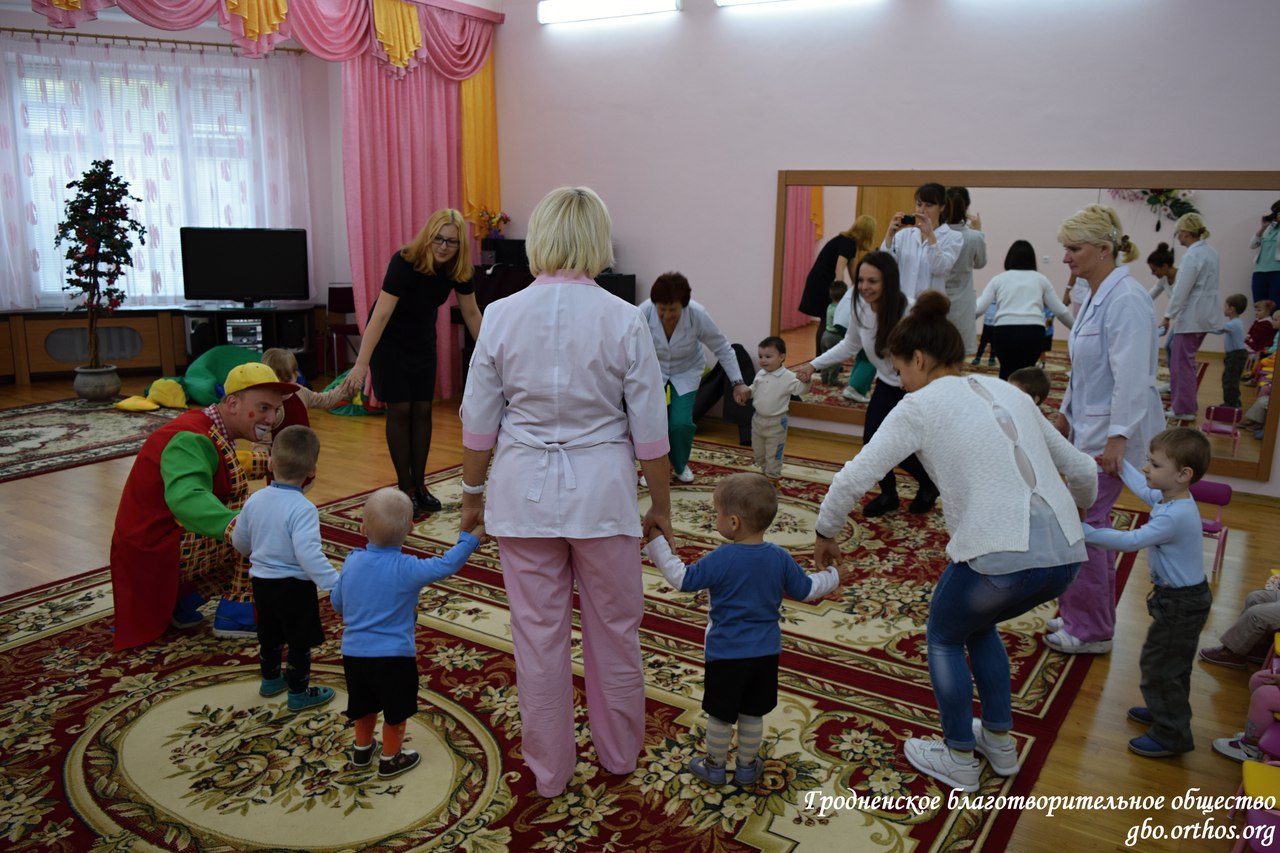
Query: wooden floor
(59, 524)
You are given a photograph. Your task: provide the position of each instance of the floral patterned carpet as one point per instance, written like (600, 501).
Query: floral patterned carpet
(170, 747)
(52, 436)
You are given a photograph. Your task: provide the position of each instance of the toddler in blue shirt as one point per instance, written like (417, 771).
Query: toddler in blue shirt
(747, 580)
(279, 530)
(1179, 600)
(377, 597)
(1234, 353)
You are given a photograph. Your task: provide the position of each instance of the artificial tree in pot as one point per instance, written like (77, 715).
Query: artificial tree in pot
(99, 233)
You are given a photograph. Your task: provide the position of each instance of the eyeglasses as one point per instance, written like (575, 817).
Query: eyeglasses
(445, 241)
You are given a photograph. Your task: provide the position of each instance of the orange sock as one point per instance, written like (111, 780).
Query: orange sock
(392, 738)
(364, 730)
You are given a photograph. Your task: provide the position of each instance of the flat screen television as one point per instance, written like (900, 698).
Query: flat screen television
(244, 265)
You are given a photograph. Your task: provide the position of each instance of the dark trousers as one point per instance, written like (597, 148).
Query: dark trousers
(883, 399)
(1178, 615)
(1232, 368)
(288, 615)
(1017, 347)
(985, 341)
(1266, 285)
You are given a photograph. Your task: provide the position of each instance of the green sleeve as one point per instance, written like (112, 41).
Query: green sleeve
(187, 465)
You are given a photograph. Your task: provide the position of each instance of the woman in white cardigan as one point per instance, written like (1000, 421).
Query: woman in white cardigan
(1021, 294)
(1194, 310)
(1016, 540)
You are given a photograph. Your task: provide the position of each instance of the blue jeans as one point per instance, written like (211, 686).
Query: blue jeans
(965, 610)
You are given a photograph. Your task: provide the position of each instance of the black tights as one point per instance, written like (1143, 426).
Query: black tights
(409, 441)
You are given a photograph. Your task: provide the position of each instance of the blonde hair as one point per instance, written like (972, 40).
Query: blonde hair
(294, 453)
(570, 230)
(283, 363)
(388, 513)
(862, 232)
(418, 250)
(1193, 224)
(749, 496)
(1099, 225)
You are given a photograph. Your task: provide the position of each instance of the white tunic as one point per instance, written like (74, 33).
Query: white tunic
(680, 356)
(771, 392)
(565, 382)
(1112, 390)
(1195, 305)
(921, 266)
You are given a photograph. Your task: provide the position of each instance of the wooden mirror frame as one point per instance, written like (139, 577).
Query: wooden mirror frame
(1247, 470)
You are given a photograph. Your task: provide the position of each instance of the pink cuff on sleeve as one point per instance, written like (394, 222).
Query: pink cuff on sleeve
(474, 441)
(644, 450)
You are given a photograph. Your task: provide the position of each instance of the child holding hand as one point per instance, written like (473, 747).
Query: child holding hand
(1180, 599)
(377, 597)
(747, 579)
(771, 392)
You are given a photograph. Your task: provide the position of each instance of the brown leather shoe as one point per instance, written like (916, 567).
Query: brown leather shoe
(1223, 656)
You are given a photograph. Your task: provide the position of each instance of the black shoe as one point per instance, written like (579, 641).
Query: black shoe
(882, 504)
(362, 756)
(923, 501)
(424, 502)
(402, 762)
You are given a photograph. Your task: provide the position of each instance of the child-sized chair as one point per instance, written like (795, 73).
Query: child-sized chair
(1219, 495)
(1223, 420)
(1261, 780)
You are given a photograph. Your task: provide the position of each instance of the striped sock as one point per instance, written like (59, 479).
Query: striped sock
(750, 735)
(718, 735)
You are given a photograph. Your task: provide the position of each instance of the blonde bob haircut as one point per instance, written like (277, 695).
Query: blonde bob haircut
(862, 232)
(418, 251)
(1099, 225)
(570, 230)
(1193, 224)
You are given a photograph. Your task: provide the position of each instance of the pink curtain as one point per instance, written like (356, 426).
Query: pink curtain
(334, 30)
(797, 257)
(401, 163)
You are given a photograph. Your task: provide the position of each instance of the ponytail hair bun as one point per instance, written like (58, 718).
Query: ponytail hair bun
(928, 330)
(931, 305)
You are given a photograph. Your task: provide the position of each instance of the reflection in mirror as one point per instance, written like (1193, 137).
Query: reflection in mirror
(814, 207)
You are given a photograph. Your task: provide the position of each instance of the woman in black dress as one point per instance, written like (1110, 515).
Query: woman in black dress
(399, 342)
(833, 262)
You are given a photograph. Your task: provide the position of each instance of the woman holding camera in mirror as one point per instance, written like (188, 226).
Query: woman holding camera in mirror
(924, 248)
(878, 305)
(1194, 310)
(1266, 268)
(1110, 409)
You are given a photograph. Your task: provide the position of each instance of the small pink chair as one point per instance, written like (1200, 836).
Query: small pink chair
(1219, 495)
(1223, 420)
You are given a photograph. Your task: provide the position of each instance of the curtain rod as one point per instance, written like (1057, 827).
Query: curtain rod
(73, 36)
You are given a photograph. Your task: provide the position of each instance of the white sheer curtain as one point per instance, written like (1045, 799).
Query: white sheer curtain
(204, 138)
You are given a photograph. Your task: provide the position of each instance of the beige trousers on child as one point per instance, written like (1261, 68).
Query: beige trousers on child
(768, 435)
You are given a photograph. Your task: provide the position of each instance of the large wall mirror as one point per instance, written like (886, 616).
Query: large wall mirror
(1030, 206)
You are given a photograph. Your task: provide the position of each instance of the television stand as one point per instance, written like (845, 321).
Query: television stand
(257, 328)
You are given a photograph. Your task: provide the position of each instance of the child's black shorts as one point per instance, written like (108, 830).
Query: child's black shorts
(288, 613)
(740, 686)
(389, 685)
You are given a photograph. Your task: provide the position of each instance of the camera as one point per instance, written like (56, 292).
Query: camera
(908, 219)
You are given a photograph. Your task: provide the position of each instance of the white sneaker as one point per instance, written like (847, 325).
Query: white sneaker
(1003, 758)
(1054, 624)
(1061, 641)
(1163, 387)
(685, 476)
(644, 484)
(1238, 749)
(850, 393)
(934, 758)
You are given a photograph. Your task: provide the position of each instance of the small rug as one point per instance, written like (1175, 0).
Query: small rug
(51, 436)
(170, 747)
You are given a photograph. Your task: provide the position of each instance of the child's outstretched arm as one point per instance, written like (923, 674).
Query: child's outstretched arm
(431, 569)
(330, 399)
(1160, 530)
(672, 568)
(1137, 483)
(822, 583)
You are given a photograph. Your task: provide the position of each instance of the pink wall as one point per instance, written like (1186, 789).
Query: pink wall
(682, 121)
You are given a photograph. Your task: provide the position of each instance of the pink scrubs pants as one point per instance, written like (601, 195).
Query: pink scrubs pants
(1182, 372)
(1088, 606)
(539, 575)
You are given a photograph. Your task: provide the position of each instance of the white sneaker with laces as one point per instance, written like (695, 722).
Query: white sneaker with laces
(1238, 749)
(849, 393)
(1003, 758)
(1054, 624)
(934, 758)
(685, 476)
(1061, 641)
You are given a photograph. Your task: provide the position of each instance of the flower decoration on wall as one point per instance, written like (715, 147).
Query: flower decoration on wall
(98, 229)
(493, 222)
(1170, 204)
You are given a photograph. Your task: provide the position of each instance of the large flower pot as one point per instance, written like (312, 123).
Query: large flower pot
(97, 383)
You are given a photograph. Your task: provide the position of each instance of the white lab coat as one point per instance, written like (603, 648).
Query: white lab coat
(921, 266)
(1112, 390)
(1195, 305)
(680, 356)
(564, 381)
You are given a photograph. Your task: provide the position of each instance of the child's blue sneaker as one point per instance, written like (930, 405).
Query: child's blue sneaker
(312, 697)
(747, 774)
(235, 619)
(186, 612)
(1150, 747)
(273, 686)
(709, 773)
(1142, 715)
